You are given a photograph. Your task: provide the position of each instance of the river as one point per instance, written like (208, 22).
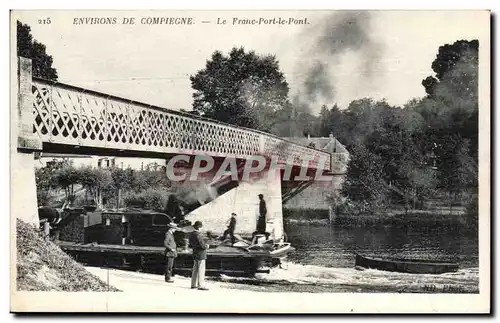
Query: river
(324, 260)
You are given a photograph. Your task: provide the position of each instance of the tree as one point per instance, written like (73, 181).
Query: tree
(414, 180)
(456, 168)
(196, 113)
(46, 180)
(95, 181)
(365, 184)
(145, 179)
(454, 90)
(66, 178)
(122, 179)
(405, 155)
(456, 70)
(243, 88)
(282, 122)
(150, 199)
(307, 124)
(451, 113)
(30, 48)
(331, 121)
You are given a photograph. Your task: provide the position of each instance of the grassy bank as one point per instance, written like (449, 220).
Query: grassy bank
(417, 219)
(43, 266)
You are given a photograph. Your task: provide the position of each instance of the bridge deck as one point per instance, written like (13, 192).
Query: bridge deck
(67, 115)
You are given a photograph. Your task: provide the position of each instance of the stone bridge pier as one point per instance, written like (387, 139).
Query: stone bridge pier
(23, 147)
(229, 194)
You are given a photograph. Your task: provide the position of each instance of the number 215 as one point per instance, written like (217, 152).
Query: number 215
(45, 21)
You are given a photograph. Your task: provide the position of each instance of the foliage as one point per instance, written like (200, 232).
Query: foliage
(242, 88)
(304, 214)
(46, 181)
(429, 145)
(95, 181)
(30, 48)
(456, 157)
(473, 212)
(122, 178)
(365, 184)
(151, 199)
(103, 185)
(143, 179)
(456, 70)
(67, 177)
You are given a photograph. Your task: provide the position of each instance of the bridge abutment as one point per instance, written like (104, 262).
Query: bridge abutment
(23, 198)
(24, 144)
(243, 200)
(317, 195)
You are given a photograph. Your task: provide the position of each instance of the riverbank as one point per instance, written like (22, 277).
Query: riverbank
(43, 266)
(414, 218)
(296, 278)
(147, 293)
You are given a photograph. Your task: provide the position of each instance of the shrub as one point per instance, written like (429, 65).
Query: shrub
(472, 213)
(150, 199)
(305, 214)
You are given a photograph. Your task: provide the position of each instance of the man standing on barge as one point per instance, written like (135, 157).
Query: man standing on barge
(261, 222)
(199, 247)
(170, 251)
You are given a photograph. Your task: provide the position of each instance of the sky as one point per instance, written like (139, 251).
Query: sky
(152, 63)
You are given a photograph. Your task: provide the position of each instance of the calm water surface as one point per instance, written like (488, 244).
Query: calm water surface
(324, 260)
(330, 246)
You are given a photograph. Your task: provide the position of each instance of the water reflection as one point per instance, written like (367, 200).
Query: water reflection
(330, 246)
(324, 261)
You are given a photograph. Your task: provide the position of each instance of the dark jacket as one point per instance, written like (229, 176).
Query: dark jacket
(170, 246)
(262, 208)
(199, 246)
(232, 223)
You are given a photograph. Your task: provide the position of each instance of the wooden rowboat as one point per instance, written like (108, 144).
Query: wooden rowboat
(406, 265)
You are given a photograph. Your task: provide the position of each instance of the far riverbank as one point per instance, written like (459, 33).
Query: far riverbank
(412, 218)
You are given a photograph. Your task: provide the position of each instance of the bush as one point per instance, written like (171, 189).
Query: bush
(80, 200)
(472, 212)
(305, 214)
(44, 198)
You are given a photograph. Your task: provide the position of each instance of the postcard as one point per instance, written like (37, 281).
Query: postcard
(252, 161)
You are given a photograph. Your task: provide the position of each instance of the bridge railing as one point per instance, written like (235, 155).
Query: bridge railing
(69, 115)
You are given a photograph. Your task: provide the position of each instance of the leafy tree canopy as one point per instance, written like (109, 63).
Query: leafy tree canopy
(31, 48)
(242, 88)
(456, 68)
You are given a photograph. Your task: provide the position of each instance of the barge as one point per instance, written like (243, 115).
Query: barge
(132, 239)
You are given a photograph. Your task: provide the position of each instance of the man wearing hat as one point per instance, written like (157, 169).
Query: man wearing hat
(170, 251)
(199, 247)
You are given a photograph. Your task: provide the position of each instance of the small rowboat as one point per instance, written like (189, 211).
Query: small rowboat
(411, 266)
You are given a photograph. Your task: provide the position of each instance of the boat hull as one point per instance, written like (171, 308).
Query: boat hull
(221, 260)
(405, 266)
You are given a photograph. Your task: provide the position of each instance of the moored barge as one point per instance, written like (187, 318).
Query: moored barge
(133, 239)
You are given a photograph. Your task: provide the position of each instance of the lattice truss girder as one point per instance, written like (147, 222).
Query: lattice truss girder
(68, 115)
